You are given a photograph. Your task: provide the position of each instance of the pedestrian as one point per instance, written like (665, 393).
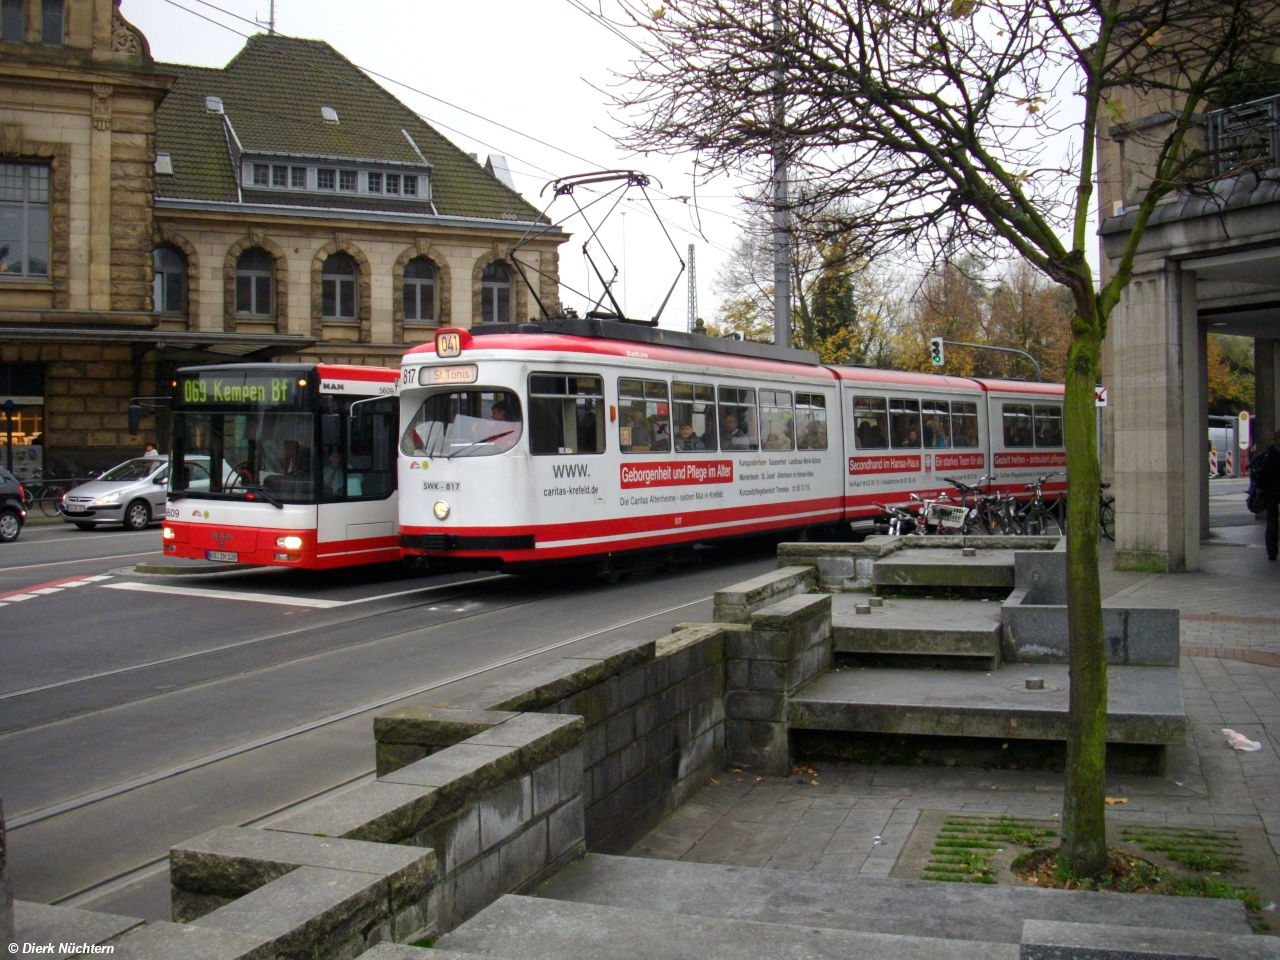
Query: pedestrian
(1266, 476)
(150, 452)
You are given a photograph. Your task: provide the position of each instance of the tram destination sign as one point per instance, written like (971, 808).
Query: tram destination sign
(238, 388)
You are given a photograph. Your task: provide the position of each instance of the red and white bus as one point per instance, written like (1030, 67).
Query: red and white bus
(284, 464)
(590, 439)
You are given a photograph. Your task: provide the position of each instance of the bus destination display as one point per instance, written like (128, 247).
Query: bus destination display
(259, 390)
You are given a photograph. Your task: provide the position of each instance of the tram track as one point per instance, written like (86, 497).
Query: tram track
(172, 690)
(83, 801)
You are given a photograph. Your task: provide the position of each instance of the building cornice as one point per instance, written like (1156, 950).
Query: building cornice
(400, 219)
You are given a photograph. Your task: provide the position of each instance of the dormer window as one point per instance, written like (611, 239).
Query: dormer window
(393, 184)
(325, 179)
(269, 174)
(261, 175)
(375, 183)
(348, 180)
(213, 105)
(410, 186)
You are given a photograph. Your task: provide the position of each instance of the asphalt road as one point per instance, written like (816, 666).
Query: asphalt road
(138, 711)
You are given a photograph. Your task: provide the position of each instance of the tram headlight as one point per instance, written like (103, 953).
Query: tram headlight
(289, 543)
(441, 510)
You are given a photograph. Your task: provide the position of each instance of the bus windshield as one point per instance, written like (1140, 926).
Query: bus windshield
(463, 423)
(260, 451)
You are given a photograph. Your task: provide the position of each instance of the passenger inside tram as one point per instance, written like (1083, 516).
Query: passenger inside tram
(686, 439)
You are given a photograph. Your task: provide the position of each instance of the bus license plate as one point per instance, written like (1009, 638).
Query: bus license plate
(222, 555)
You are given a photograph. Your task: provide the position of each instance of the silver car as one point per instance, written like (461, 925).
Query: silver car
(131, 493)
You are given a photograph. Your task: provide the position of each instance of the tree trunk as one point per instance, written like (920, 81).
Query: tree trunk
(1084, 829)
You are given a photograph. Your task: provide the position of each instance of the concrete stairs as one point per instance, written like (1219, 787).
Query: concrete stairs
(905, 631)
(629, 907)
(987, 572)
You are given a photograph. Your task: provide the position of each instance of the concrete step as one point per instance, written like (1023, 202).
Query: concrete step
(40, 923)
(840, 899)
(1079, 941)
(1144, 704)
(917, 628)
(989, 570)
(535, 928)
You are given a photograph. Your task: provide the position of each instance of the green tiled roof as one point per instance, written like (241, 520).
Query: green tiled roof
(272, 92)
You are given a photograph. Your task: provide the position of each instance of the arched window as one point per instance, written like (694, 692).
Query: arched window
(255, 273)
(420, 290)
(170, 291)
(338, 288)
(495, 294)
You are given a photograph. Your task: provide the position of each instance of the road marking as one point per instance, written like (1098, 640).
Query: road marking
(226, 595)
(268, 597)
(65, 563)
(53, 586)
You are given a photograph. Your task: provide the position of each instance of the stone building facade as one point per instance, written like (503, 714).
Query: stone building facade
(283, 207)
(1208, 262)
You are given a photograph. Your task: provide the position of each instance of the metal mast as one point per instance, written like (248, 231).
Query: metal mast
(781, 206)
(271, 20)
(693, 289)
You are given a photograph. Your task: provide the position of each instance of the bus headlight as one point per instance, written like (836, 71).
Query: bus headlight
(441, 510)
(168, 533)
(289, 543)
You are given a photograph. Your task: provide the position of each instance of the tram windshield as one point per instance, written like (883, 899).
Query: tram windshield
(464, 423)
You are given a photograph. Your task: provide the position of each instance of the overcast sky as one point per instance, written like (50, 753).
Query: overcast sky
(533, 66)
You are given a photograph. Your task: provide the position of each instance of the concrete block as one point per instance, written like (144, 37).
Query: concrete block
(756, 705)
(310, 912)
(381, 811)
(475, 886)
(545, 783)
(620, 731)
(566, 826)
(571, 768)
(461, 774)
(523, 856)
(232, 861)
(736, 604)
(41, 923)
(435, 728)
(793, 613)
(461, 842)
(595, 744)
(1043, 573)
(169, 941)
(538, 737)
(758, 745)
(1050, 940)
(501, 814)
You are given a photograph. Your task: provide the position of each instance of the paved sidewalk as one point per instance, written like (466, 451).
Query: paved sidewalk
(859, 817)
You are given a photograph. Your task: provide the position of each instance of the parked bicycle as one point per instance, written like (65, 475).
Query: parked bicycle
(47, 494)
(1106, 513)
(902, 522)
(1038, 516)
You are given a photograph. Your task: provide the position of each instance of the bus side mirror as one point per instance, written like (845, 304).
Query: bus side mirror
(135, 418)
(330, 429)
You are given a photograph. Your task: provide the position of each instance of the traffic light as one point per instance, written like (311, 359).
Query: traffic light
(935, 351)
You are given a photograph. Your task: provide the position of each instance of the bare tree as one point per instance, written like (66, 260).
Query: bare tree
(960, 125)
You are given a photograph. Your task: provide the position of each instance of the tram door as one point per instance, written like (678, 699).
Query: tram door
(357, 501)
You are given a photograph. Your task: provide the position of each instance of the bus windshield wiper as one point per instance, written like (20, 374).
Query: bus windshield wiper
(476, 443)
(257, 488)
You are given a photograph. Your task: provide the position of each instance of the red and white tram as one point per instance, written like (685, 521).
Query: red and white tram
(284, 464)
(587, 439)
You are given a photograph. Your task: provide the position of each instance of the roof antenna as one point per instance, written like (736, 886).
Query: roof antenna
(271, 20)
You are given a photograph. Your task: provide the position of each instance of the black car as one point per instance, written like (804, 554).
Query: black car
(12, 512)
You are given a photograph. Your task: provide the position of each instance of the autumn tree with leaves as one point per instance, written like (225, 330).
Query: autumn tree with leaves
(958, 126)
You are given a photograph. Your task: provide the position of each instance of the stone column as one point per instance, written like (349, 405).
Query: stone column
(1266, 398)
(1157, 351)
(6, 895)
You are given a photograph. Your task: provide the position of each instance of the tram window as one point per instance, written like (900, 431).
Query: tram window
(904, 422)
(1048, 426)
(738, 419)
(871, 423)
(811, 421)
(362, 467)
(937, 422)
(964, 423)
(777, 420)
(464, 423)
(1017, 425)
(644, 416)
(694, 408)
(566, 414)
